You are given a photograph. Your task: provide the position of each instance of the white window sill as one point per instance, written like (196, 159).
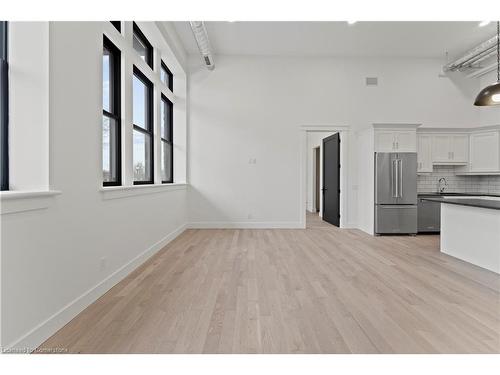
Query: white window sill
(21, 201)
(116, 192)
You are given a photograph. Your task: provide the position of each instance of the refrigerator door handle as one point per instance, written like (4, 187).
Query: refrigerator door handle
(400, 173)
(394, 183)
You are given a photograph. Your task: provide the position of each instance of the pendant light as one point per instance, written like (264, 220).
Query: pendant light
(491, 95)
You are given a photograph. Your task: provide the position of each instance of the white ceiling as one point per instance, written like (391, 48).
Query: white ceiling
(380, 39)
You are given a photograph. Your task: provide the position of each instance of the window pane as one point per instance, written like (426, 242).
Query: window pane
(111, 158)
(106, 83)
(165, 77)
(166, 120)
(140, 92)
(166, 157)
(3, 40)
(109, 167)
(140, 47)
(142, 152)
(117, 25)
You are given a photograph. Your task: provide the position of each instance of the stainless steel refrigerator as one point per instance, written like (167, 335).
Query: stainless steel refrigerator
(395, 192)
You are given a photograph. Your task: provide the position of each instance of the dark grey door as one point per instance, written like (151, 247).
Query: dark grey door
(331, 179)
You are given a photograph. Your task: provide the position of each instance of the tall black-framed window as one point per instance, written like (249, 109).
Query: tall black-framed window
(143, 129)
(4, 107)
(167, 147)
(117, 25)
(111, 114)
(142, 46)
(166, 76)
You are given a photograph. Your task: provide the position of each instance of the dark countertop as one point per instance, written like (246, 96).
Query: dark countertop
(434, 193)
(481, 203)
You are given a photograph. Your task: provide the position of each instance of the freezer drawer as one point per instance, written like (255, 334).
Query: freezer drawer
(429, 216)
(393, 219)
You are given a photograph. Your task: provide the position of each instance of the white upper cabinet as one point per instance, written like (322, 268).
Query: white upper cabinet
(441, 149)
(384, 141)
(406, 141)
(395, 141)
(424, 153)
(460, 148)
(473, 151)
(450, 149)
(484, 152)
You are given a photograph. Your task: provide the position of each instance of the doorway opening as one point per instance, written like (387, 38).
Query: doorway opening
(315, 191)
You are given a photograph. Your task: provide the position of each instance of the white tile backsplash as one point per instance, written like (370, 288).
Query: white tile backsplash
(457, 184)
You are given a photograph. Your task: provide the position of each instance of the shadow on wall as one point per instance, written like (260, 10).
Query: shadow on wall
(469, 87)
(200, 207)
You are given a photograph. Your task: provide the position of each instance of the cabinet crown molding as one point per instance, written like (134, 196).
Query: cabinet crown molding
(458, 130)
(396, 125)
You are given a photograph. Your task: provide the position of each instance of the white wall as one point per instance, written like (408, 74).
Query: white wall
(252, 107)
(314, 140)
(364, 188)
(57, 260)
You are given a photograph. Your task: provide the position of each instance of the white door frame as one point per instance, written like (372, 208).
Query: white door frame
(343, 131)
(316, 188)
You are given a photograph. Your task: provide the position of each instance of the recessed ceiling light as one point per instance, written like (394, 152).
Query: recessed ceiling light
(351, 22)
(483, 23)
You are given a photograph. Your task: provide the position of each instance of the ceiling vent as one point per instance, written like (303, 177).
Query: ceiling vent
(201, 37)
(371, 81)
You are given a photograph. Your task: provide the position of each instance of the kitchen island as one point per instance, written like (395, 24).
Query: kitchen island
(470, 229)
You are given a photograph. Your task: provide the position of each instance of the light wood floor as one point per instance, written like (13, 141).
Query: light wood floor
(319, 290)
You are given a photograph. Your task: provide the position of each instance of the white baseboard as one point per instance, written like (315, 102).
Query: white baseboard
(44, 330)
(246, 225)
(350, 226)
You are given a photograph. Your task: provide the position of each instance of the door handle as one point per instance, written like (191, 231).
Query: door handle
(395, 178)
(400, 189)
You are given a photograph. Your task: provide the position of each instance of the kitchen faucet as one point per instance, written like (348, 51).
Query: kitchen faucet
(441, 188)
